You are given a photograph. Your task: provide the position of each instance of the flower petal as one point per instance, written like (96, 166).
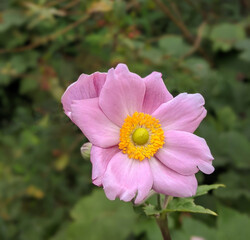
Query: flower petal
(125, 177)
(100, 158)
(88, 116)
(156, 93)
(87, 86)
(122, 94)
(185, 153)
(184, 112)
(206, 167)
(169, 182)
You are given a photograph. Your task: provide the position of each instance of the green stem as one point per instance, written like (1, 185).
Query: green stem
(166, 201)
(161, 218)
(159, 201)
(162, 222)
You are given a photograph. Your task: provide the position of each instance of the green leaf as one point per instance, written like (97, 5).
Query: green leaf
(236, 148)
(198, 66)
(153, 55)
(151, 210)
(11, 17)
(244, 45)
(178, 205)
(19, 63)
(187, 205)
(194, 228)
(232, 224)
(237, 185)
(28, 84)
(226, 117)
(95, 217)
(173, 46)
(149, 227)
(203, 189)
(225, 35)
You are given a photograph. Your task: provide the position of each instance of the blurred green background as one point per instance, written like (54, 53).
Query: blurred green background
(45, 186)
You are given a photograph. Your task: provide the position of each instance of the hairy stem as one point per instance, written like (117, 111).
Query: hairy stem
(161, 218)
(162, 222)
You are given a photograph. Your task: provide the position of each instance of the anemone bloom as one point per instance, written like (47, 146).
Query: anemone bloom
(142, 137)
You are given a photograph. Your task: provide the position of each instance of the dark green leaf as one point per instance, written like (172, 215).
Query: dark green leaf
(203, 189)
(187, 205)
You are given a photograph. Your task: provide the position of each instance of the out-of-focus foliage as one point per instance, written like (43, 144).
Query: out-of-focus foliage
(199, 46)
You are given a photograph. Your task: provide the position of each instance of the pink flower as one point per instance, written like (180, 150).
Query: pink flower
(142, 137)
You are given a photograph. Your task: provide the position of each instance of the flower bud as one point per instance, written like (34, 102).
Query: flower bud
(85, 150)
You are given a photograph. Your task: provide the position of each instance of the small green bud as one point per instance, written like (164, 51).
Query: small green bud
(85, 150)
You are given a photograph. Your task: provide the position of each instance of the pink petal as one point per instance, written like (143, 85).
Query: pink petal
(100, 158)
(206, 167)
(156, 93)
(87, 86)
(122, 94)
(185, 153)
(184, 112)
(127, 178)
(169, 182)
(88, 116)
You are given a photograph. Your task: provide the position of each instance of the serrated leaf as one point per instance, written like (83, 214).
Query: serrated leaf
(187, 205)
(179, 205)
(203, 189)
(151, 210)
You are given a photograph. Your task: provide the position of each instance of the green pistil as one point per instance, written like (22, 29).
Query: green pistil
(140, 136)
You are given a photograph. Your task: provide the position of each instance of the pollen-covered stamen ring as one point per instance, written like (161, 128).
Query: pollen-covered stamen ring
(141, 136)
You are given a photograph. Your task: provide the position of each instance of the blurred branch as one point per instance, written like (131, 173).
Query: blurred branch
(245, 6)
(55, 2)
(177, 22)
(95, 7)
(193, 5)
(185, 31)
(175, 9)
(71, 4)
(48, 38)
(133, 3)
(75, 144)
(197, 42)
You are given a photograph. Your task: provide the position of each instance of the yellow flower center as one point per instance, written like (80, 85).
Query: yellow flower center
(141, 136)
